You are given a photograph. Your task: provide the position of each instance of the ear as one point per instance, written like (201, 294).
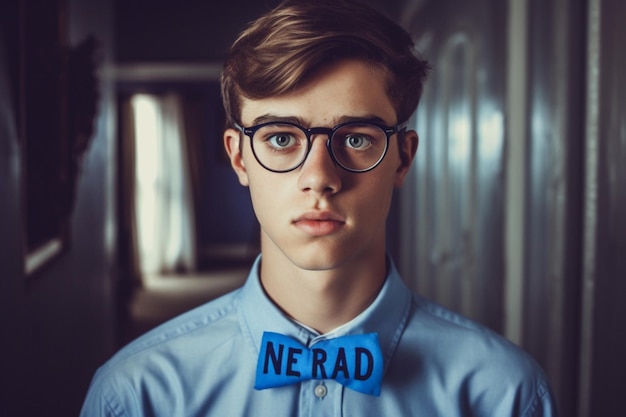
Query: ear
(408, 149)
(233, 146)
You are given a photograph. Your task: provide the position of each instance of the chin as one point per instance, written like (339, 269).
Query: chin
(315, 263)
(320, 259)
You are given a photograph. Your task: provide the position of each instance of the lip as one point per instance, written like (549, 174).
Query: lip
(319, 223)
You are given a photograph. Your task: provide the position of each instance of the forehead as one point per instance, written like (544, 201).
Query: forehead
(348, 89)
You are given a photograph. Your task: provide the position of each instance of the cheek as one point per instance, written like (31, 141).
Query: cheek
(375, 199)
(267, 196)
(260, 196)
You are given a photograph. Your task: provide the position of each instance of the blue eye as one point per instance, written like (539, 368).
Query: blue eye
(282, 141)
(357, 142)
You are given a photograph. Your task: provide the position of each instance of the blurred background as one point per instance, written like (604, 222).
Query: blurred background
(119, 210)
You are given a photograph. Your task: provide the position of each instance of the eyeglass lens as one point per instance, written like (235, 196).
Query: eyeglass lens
(283, 147)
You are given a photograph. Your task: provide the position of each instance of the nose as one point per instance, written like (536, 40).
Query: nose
(319, 174)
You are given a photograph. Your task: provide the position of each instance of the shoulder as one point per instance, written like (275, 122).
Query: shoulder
(447, 334)
(171, 358)
(475, 362)
(205, 330)
(437, 324)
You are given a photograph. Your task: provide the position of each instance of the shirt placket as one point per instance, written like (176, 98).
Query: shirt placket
(321, 398)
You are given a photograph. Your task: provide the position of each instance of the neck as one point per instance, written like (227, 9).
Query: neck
(323, 299)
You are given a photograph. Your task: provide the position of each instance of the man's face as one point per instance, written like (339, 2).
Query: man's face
(319, 216)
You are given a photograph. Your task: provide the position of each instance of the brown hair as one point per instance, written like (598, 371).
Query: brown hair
(281, 50)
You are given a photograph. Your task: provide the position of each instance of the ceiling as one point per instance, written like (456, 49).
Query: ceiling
(193, 30)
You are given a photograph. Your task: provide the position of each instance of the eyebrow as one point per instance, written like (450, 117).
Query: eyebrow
(266, 118)
(368, 118)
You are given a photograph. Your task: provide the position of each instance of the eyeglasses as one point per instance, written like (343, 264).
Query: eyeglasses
(354, 146)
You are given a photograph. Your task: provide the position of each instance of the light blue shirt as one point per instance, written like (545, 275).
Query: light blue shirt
(203, 363)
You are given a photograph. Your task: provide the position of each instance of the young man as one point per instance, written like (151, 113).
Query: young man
(317, 94)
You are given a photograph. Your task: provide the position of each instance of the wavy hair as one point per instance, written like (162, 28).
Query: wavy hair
(281, 50)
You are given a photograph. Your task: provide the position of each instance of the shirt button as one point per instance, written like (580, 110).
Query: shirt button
(321, 391)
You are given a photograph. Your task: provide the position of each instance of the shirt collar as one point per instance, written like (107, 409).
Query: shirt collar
(387, 315)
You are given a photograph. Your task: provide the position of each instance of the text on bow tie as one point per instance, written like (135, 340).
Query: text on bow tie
(362, 366)
(354, 361)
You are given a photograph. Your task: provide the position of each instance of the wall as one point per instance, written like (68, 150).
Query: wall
(564, 274)
(452, 205)
(603, 339)
(554, 166)
(58, 328)
(228, 221)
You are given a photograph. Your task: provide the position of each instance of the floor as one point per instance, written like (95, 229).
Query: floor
(166, 296)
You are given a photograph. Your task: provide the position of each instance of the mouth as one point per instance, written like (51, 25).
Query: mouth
(319, 223)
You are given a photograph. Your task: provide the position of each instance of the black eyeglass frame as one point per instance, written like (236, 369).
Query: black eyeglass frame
(329, 132)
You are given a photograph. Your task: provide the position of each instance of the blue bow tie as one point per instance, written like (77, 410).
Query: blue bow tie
(354, 361)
